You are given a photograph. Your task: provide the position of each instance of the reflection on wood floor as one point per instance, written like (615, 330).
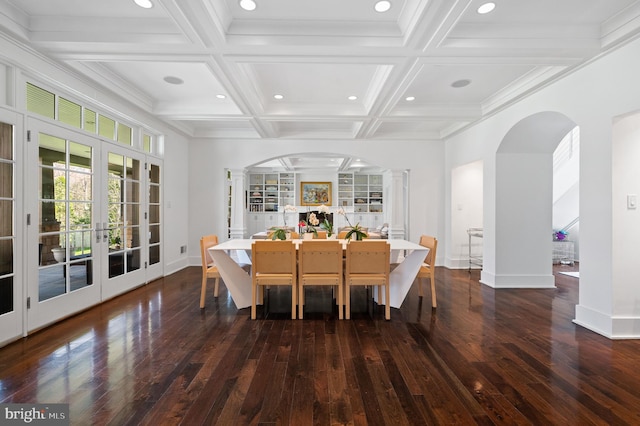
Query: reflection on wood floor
(483, 357)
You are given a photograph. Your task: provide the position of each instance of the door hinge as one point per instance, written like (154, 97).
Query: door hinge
(28, 219)
(28, 135)
(28, 303)
(145, 265)
(145, 216)
(145, 166)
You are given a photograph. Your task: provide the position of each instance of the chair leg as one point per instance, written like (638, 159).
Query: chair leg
(340, 302)
(420, 287)
(347, 301)
(203, 291)
(253, 300)
(300, 300)
(387, 306)
(294, 300)
(216, 287)
(433, 289)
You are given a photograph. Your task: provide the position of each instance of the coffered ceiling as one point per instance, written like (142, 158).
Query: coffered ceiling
(456, 64)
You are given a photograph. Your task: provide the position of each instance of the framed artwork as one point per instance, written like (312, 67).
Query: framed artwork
(315, 193)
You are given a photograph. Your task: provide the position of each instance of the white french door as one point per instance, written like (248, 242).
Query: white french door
(11, 296)
(63, 185)
(87, 200)
(154, 219)
(123, 224)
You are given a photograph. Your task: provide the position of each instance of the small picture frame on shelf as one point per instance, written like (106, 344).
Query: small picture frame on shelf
(315, 193)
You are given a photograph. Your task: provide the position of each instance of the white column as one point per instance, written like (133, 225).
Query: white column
(238, 227)
(394, 203)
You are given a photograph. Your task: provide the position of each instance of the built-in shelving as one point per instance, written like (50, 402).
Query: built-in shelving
(287, 189)
(345, 190)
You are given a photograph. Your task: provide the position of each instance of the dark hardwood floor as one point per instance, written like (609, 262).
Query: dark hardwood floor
(483, 357)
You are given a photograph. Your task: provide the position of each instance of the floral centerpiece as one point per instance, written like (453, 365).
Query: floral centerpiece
(309, 226)
(325, 224)
(355, 229)
(288, 209)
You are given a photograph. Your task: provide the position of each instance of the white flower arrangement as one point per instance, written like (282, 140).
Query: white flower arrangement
(288, 209)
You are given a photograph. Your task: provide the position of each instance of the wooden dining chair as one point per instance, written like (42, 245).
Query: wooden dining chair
(320, 263)
(428, 270)
(321, 235)
(274, 263)
(209, 270)
(367, 263)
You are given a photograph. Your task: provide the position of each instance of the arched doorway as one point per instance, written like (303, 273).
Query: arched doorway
(520, 255)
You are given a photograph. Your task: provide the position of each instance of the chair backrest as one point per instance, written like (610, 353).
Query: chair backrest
(294, 235)
(368, 257)
(206, 242)
(432, 244)
(273, 257)
(320, 257)
(322, 235)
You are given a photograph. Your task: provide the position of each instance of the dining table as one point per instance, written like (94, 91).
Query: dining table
(230, 255)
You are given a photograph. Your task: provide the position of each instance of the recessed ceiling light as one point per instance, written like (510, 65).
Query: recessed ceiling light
(410, 98)
(144, 3)
(221, 96)
(460, 83)
(382, 6)
(278, 97)
(486, 8)
(352, 98)
(173, 80)
(248, 5)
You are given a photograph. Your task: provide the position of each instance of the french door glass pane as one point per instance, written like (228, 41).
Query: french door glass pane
(6, 219)
(124, 214)
(66, 214)
(6, 295)
(6, 180)
(154, 214)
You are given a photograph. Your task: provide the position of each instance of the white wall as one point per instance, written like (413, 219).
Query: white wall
(176, 201)
(209, 158)
(626, 222)
(590, 97)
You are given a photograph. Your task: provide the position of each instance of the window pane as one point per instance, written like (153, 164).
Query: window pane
(6, 218)
(89, 120)
(154, 255)
(154, 174)
(133, 169)
(6, 141)
(133, 260)
(6, 256)
(80, 156)
(79, 216)
(154, 194)
(40, 101)
(6, 180)
(146, 143)
(79, 186)
(154, 214)
(106, 127)
(52, 282)
(6, 295)
(69, 112)
(52, 150)
(154, 234)
(124, 134)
